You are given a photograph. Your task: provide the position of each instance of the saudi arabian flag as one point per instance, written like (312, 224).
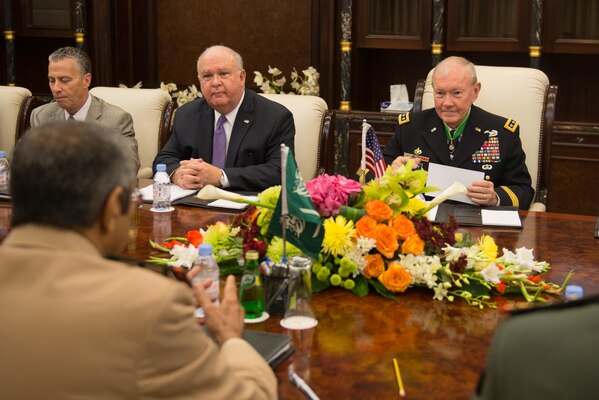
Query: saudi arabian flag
(303, 224)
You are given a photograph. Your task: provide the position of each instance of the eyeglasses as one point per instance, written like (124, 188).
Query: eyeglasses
(136, 197)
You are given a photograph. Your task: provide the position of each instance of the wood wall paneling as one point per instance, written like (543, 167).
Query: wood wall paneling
(264, 32)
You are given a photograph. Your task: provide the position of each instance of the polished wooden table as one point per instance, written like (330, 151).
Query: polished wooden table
(441, 347)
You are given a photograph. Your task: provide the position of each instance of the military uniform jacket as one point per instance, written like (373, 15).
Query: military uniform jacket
(490, 144)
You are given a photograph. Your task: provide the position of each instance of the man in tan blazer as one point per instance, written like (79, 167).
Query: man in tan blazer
(69, 76)
(76, 325)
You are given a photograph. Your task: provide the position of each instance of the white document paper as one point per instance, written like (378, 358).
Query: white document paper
(233, 205)
(443, 176)
(500, 218)
(147, 193)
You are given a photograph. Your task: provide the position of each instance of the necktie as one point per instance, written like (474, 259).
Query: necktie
(219, 144)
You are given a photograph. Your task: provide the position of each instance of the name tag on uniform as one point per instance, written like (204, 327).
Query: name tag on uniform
(412, 156)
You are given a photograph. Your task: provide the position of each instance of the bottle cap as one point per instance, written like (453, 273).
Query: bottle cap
(251, 255)
(2, 154)
(573, 292)
(205, 249)
(160, 167)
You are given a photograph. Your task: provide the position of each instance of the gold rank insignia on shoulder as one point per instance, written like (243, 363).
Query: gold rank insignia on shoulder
(511, 125)
(403, 118)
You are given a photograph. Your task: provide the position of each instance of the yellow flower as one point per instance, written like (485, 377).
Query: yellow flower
(488, 246)
(339, 235)
(414, 206)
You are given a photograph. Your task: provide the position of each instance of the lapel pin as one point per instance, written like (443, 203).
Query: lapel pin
(477, 129)
(433, 130)
(246, 121)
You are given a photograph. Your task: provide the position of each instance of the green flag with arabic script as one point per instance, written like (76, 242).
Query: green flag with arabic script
(304, 226)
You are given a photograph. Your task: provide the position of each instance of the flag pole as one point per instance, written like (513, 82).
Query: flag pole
(284, 206)
(362, 170)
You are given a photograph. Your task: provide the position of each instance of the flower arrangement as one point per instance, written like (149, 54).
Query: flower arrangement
(377, 236)
(181, 96)
(305, 84)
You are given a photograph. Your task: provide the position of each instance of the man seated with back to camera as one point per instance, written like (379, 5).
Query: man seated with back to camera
(69, 77)
(77, 325)
(231, 137)
(459, 134)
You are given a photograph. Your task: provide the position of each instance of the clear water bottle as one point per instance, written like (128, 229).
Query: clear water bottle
(208, 270)
(4, 172)
(162, 190)
(251, 289)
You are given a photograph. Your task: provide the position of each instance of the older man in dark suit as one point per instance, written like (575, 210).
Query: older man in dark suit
(231, 137)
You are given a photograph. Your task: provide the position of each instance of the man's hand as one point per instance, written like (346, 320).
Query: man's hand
(402, 160)
(196, 173)
(224, 322)
(483, 193)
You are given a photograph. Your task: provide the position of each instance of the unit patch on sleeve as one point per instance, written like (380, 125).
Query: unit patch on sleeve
(511, 125)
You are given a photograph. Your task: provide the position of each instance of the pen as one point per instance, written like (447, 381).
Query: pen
(302, 385)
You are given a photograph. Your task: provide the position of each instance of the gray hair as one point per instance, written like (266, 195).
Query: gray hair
(233, 53)
(62, 174)
(453, 61)
(81, 58)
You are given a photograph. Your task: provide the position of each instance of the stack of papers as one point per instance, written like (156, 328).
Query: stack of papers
(147, 193)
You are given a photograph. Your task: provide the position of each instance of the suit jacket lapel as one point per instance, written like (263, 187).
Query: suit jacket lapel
(244, 119)
(472, 139)
(434, 136)
(95, 110)
(204, 119)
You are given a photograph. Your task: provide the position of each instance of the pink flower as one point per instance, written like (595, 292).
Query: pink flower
(330, 192)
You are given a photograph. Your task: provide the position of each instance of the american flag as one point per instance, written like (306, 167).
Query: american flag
(373, 156)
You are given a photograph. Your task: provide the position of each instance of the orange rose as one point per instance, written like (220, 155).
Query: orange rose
(395, 278)
(366, 227)
(413, 245)
(386, 240)
(374, 265)
(378, 210)
(402, 226)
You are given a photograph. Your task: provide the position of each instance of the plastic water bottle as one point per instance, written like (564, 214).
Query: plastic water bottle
(162, 190)
(4, 172)
(208, 270)
(573, 292)
(251, 289)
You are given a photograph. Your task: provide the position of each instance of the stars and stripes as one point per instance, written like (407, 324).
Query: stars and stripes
(373, 156)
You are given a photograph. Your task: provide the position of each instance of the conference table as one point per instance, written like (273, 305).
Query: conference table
(441, 347)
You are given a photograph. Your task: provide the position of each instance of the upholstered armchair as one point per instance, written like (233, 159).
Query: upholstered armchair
(151, 110)
(524, 94)
(313, 143)
(15, 109)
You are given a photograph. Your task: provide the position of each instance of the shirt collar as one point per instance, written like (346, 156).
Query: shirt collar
(232, 115)
(82, 113)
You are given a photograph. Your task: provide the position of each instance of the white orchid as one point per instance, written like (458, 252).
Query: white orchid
(306, 84)
(183, 256)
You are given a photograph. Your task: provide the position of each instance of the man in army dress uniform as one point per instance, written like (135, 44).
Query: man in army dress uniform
(459, 134)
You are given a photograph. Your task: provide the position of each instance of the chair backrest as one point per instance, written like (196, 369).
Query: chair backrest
(15, 107)
(151, 110)
(523, 94)
(312, 140)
